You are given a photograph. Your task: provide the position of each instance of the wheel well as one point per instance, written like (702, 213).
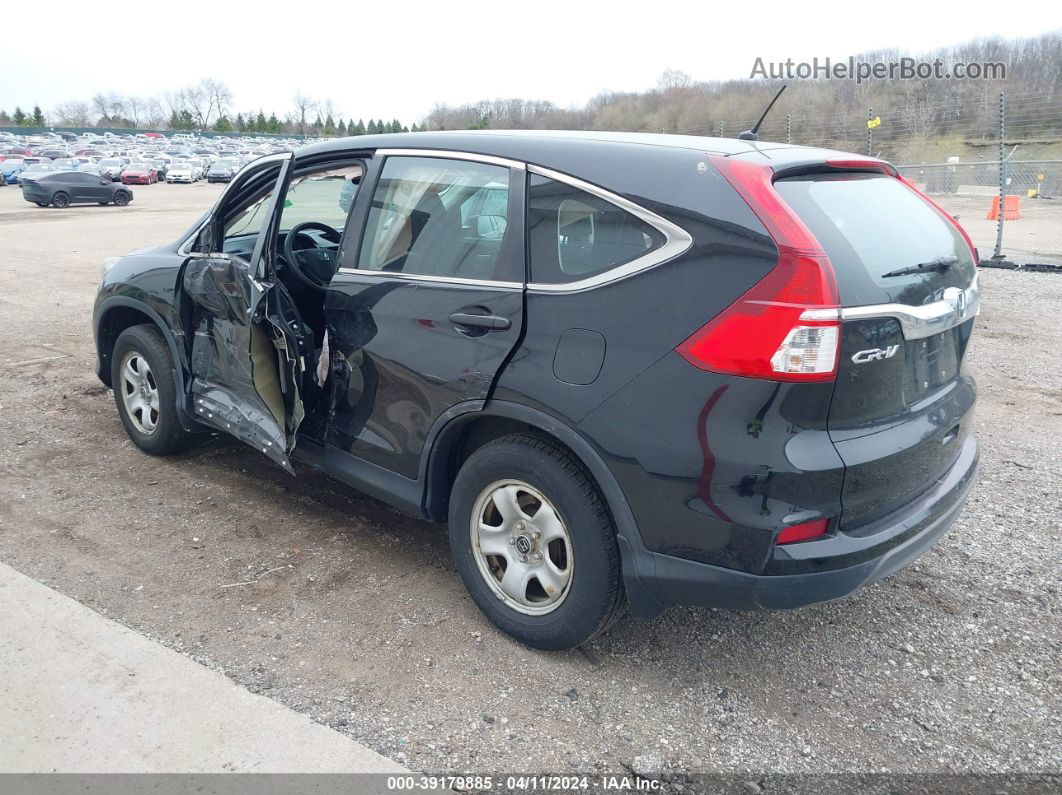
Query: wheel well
(456, 444)
(111, 325)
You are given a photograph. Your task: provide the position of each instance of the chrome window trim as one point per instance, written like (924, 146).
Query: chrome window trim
(416, 277)
(676, 239)
(954, 308)
(449, 154)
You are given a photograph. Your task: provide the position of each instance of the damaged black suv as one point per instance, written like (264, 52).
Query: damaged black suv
(627, 370)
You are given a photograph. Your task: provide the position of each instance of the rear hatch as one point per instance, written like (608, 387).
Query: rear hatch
(907, 284)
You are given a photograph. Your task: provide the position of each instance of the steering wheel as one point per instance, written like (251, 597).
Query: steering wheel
(313, 266)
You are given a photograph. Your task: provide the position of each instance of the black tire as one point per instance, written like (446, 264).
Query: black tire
(121, 198)
(147, 341)
(42, 204)
(594, 598)
(61, 199)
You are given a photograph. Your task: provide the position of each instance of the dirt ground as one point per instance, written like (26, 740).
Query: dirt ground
(1034, 237)
(352, 613)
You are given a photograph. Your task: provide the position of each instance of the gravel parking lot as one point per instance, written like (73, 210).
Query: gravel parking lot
(353, 614)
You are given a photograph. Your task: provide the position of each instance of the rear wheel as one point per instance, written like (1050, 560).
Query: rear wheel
(61, 199)
(145, 392)
(121, 198)
(534, 542)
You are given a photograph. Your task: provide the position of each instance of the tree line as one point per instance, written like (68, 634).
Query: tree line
(204, 106)
(915, 114)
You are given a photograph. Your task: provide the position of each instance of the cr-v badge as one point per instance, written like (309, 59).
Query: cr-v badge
(875, 354)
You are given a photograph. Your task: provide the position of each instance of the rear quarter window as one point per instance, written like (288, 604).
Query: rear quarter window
(872, 224)
(574, 235)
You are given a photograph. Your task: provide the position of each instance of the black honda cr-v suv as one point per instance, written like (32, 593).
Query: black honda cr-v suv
(627, 370)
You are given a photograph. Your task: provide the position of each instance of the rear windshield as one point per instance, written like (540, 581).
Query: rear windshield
(873, 224)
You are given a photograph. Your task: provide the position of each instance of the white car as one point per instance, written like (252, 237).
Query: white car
(181, 171)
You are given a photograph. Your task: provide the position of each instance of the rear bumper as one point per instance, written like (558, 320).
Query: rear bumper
(895, 542)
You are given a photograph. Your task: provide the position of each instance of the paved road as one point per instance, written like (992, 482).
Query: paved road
(80, 693)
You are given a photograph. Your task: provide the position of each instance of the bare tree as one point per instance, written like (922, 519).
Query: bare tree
(218, 98)
(134, 108)
(74, 113)
(303, 105)
(99, 105)
(199, 103)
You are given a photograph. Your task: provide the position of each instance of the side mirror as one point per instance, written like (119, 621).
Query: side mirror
(488, 226)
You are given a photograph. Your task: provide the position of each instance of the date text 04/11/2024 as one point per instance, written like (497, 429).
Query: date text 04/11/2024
(525, 783)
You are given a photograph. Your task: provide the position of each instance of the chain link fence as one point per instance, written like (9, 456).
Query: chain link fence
(1030, 230)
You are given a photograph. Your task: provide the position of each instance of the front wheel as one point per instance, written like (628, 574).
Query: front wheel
(61, 199)
(534, 542)
(145, 391)
(121, 198)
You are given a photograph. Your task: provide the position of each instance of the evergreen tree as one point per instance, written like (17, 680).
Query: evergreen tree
(38, 116)
(372, 129)
(187, 121)
(240, 123)
(174, 123)
(274, 124)
(4, 118)
(396, 125)
(222, 125)
(360, 129)
(350, 127)
(330, 126)
(341, 130)
(19, 116)
(260, 123)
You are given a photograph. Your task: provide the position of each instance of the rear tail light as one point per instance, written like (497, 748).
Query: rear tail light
(786, 327)
(802, 532)
(943, 212)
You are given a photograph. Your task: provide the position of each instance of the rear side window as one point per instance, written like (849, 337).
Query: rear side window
(873, 224)
(574, 235)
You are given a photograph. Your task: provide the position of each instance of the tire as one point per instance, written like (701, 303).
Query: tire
(121, 198)
(581, 561)
(61, 199)
(42, 204)
(153, 426)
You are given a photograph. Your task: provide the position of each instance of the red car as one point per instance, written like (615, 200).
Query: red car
(139, 174)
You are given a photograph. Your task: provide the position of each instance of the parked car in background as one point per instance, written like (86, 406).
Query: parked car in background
(182, 171)
(89, 168)
(63, 188)
(35, 168)
(112, 167)
(139, 174)
(161, 167)
(221, 171)
(65, 164)
(11, 168)
(53, 154)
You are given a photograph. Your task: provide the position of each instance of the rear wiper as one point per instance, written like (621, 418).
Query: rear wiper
(938, 264)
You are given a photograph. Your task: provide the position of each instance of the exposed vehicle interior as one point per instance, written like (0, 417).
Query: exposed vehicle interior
(432, 216)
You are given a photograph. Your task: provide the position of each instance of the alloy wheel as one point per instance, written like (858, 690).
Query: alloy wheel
(522, 547)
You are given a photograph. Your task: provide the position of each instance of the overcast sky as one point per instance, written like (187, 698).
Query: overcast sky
(399, 58)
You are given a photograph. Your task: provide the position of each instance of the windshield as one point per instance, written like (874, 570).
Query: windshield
(324, 197)
(110, 161)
